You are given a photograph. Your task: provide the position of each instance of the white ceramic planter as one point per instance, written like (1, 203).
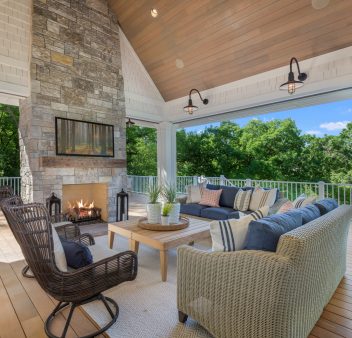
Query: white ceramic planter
(175, 213)
(153, 212)
(165, 220)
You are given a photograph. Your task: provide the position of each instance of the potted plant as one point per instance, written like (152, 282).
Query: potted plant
(169, 193)
(165, 214)
(154, 206)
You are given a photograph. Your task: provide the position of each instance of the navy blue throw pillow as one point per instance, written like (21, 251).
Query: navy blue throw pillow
(326, 205)
(264, 234)
(212, 186)
(77, 255)
(309, 213)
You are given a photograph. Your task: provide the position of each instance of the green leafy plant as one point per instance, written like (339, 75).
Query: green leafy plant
(167, 207)
(169, 193)
(154, 192)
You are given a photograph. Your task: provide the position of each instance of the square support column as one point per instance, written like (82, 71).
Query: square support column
(167, 157)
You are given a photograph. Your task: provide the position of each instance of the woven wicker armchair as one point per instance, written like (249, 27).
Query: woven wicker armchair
(253, 293)
(6, 192)
(33, 231)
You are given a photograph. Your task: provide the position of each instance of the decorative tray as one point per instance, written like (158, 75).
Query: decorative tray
(182, 224)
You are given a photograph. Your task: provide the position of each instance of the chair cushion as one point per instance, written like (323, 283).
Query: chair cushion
(264, 234)
(228, 195)
(217, 213)
(59, 253)
(100, 252)
(210, 197)
(77, 255)
(193, 209)
(326, 205)
(230, 235)
(242, 200)
(262, 197)
(309, 213)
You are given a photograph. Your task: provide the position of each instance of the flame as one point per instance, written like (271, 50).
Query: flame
(80, 204)
(91, 206)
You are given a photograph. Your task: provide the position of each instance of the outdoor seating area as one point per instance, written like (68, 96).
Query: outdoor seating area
(177, 169)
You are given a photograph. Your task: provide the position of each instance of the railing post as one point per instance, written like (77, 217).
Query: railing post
(222, 180)
(248, 182)
(195, 180)
(321, 190)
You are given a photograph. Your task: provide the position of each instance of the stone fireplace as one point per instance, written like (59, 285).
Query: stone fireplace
(75, 74)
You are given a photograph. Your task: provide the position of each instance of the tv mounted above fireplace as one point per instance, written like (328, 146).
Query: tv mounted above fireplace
(82, 138)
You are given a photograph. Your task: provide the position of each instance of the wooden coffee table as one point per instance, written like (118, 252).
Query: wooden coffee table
(161, 240)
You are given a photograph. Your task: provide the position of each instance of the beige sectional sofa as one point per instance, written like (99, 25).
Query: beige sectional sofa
(251, 294)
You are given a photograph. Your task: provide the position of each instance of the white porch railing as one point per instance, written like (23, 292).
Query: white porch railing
(14, 182)
(341, 192)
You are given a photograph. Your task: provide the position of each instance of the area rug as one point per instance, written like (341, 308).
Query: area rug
(147, 306)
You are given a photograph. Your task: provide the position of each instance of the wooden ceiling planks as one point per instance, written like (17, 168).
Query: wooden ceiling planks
(221, 41)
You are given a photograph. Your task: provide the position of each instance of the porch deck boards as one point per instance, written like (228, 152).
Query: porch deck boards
(25, 306)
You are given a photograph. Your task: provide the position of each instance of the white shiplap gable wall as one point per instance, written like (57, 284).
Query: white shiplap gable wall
(143, 99)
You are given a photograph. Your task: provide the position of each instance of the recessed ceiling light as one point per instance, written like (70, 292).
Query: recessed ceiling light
(179, 63)
(320, 4)
(154, 12)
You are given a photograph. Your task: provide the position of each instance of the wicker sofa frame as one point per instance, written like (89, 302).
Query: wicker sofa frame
(33, 231)
(266, 294)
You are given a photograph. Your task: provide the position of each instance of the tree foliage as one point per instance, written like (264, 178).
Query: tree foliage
(9, 145)
(275, 150)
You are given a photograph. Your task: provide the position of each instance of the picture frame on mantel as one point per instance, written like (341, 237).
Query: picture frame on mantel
(83, 138)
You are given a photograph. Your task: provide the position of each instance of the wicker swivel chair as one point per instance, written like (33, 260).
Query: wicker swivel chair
(6, 192)
(33, 231)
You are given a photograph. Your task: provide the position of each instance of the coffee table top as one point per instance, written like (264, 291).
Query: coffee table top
(197, 229)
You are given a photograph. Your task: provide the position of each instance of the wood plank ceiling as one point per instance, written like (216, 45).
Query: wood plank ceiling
(219, 41)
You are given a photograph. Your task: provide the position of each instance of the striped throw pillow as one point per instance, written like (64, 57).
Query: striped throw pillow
(261, 198)
(288, 205)
(210, 198)
(303, 200)
(230, 235)
(242, 200)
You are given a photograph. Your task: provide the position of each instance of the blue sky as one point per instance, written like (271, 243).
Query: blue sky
(329, 118)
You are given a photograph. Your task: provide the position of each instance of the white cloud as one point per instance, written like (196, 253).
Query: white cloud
(339, 125)
(313, 132)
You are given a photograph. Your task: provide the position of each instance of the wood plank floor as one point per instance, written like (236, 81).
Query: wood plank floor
(24, 306)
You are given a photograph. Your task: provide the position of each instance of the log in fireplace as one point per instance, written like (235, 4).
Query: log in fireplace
(80, 211)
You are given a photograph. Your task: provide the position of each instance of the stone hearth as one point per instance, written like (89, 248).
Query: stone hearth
(75, 73)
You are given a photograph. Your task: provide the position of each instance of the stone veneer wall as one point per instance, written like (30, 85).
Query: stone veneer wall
(75, 73)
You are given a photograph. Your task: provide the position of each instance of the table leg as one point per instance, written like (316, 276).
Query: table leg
(111, 237)
(163, 264)
(134, 245)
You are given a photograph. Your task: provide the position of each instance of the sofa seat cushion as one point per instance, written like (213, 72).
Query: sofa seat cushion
(228, 195)
(265, 233)
(100, 252)
(230, 235)
(326, 205)
(218, 213)
(309, 213)
(193, 209)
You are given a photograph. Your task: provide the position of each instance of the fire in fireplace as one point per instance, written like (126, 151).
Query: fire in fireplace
(80, 211)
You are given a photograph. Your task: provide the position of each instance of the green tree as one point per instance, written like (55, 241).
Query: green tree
(9, 144)
(141, 151)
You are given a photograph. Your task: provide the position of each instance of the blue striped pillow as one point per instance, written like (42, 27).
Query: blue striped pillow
(230, 235)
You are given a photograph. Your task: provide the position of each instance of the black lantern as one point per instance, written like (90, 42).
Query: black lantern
(291, 85)
(121, 206)
(53, 204)
(190, 108)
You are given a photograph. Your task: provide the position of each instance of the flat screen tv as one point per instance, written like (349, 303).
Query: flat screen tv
(81, 138)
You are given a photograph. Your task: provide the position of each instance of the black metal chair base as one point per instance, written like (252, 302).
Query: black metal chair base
(26, 272)
(61, 305)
